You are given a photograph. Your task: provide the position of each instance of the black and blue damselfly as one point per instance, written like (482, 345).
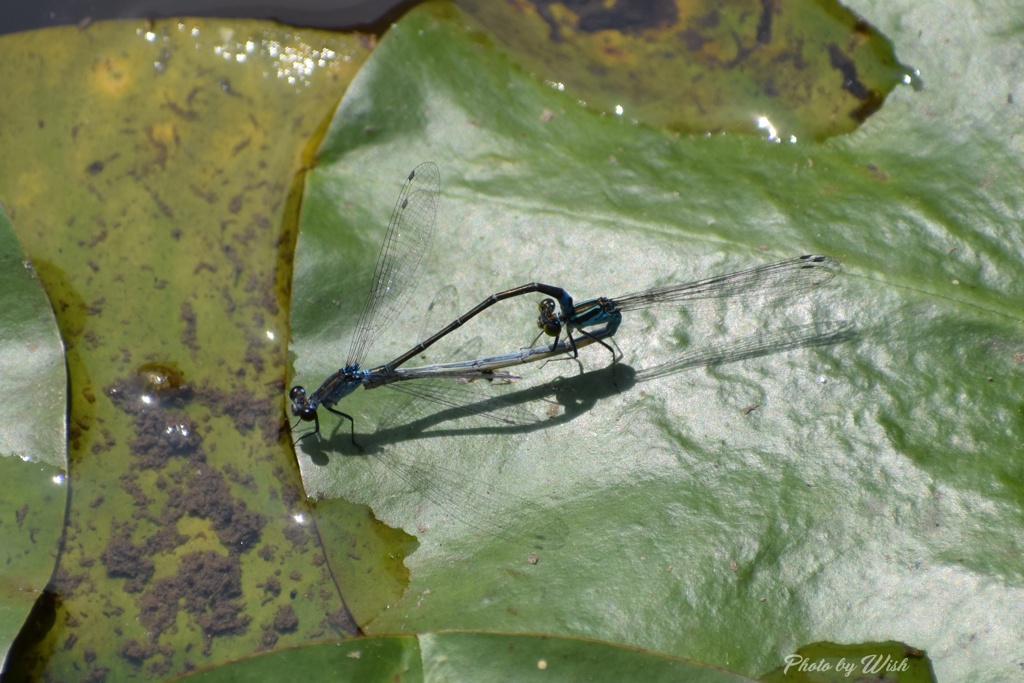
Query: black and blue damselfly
(408, 239)
(596, 321)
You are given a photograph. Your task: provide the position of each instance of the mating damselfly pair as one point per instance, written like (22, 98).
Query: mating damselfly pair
(571, 325)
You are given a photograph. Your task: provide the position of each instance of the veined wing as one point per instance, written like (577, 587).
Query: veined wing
(779, 279)
(408, 239)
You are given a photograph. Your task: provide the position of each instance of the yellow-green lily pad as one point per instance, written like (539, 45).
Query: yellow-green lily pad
(791, 70)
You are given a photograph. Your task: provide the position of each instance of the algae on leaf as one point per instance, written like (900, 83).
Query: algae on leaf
(807, 69)
(148, 169)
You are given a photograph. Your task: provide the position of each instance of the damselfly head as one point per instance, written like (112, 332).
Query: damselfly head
(548, 319)
(300, 405)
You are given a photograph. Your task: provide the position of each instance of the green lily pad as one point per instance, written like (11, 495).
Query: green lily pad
(33, 380)
(724, 511)
(464, 657)
(33, 446)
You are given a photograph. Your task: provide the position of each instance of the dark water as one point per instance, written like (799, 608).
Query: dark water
(367, 15)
